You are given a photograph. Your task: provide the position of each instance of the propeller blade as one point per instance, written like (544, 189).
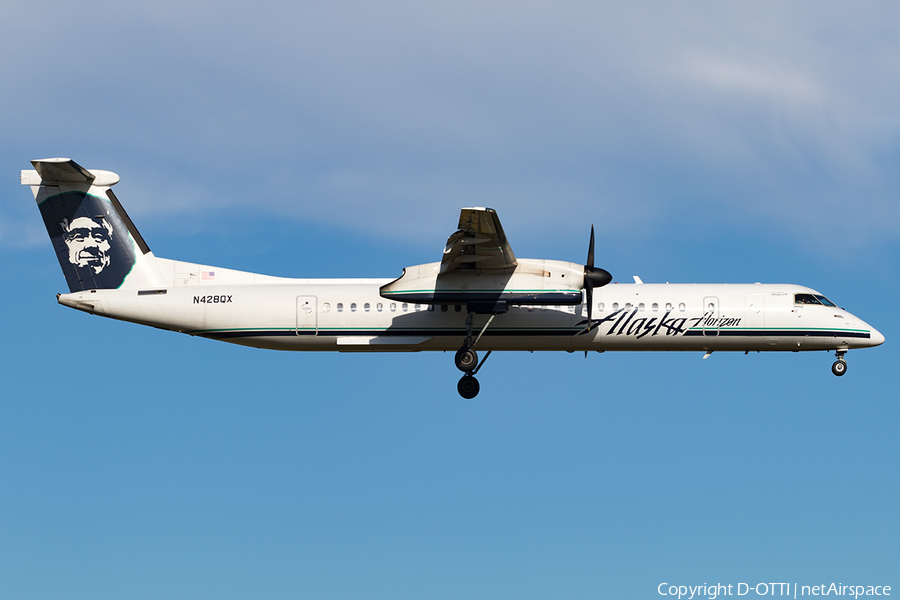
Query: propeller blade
(590, 259)
(593, 277)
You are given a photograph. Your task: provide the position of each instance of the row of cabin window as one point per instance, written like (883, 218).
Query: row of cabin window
(404, 307)
(326, 307)
(654, 307)
(615, 306)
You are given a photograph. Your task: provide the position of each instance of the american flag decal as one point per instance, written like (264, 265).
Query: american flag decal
(207, 275)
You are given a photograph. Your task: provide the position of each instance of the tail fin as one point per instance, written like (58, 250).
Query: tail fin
(97, 245)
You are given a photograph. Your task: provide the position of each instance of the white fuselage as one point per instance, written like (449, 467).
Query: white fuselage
(350, 315)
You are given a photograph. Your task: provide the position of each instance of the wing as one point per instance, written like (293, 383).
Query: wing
(478, 244)
(480, 271)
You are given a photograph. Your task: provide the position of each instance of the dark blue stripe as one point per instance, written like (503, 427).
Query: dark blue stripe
(356, 332)
(776, 333)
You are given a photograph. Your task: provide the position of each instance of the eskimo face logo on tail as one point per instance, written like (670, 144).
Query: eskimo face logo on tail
(92, 242)
(89, 241)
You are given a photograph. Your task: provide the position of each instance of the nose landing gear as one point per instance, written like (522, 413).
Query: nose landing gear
(840, 365)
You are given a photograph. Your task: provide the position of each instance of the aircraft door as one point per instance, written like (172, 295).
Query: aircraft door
(755, 312)
(711, 315)
(307, 322)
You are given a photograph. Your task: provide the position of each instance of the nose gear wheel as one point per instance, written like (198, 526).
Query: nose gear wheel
(840, 365)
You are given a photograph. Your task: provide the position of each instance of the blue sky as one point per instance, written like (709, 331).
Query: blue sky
(707, 142)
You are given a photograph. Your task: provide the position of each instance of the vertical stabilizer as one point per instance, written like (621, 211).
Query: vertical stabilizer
(97, 245)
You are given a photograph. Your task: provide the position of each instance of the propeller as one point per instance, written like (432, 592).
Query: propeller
(593, 277)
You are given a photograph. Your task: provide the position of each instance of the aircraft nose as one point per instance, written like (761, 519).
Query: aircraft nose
(875, 337)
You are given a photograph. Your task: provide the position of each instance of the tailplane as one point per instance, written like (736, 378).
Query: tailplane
(97, 245)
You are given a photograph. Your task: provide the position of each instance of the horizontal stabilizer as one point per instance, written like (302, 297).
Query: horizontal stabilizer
(55, 171)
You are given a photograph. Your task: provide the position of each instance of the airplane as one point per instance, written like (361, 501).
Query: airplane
(478, 296)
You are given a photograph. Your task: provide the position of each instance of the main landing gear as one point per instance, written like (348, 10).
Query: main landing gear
(840, 365)
(466, 360)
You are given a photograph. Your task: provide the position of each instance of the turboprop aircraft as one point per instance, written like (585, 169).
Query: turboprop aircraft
(478, 296)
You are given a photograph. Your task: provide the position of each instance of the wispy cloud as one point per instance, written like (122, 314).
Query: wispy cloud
(774, 83)
(396, 114)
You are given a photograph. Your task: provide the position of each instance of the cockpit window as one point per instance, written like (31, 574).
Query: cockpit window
(805, 299)
(812, 299)
(825, 300)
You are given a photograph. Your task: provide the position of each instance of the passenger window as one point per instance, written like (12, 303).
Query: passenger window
(628, 306)
(655, 307)
(641, 306)
(418, 307)
(600, 307)
(393, 307)
(681, 306)
(326, 307)
(366, 307)
(669, 306)
(353, 307)
(444, 308)
(340, 307)
(405, 307)
(379, 307)
(615, 306)
(457, 308)
(431, 307)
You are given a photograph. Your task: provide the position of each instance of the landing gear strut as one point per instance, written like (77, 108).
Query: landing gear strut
(840, 365)
(466, 360)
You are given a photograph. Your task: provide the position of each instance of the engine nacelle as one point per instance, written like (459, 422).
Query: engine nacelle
(537, 282)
